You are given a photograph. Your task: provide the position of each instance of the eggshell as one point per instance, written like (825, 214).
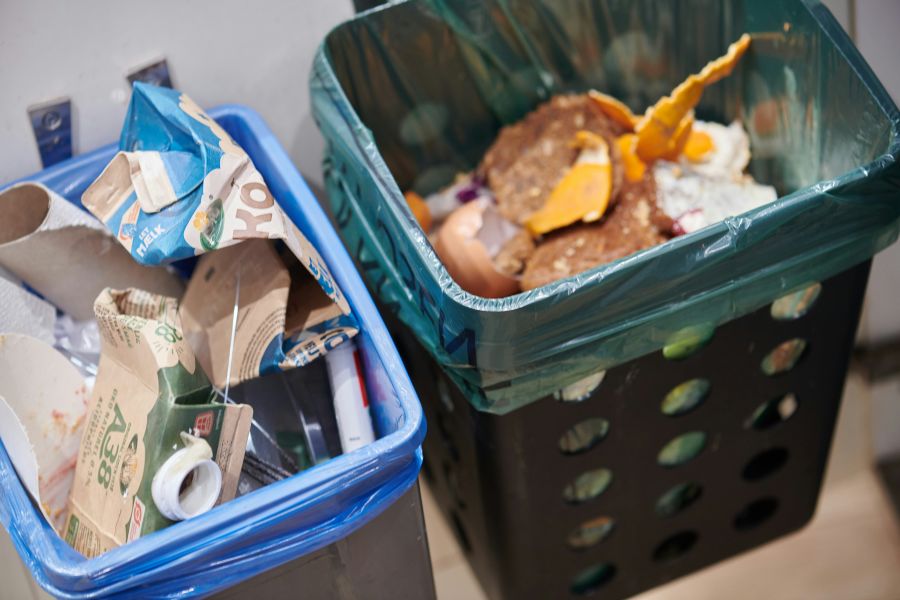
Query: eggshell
(466, 257)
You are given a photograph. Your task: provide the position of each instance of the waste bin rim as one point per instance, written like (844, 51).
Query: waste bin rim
(68, 574)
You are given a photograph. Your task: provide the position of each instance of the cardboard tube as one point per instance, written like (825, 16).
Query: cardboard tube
(66, 255)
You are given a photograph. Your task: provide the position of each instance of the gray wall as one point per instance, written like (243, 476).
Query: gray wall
(877, 24)
(253, 53)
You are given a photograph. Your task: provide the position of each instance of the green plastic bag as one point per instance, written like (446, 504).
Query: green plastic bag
(410, 94)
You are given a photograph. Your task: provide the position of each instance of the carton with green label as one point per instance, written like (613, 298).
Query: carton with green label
(152, 415)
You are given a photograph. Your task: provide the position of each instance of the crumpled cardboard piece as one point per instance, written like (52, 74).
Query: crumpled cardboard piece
(181, 187)
(43, 402)
(284, 320)
(65, 255)
(149, 390)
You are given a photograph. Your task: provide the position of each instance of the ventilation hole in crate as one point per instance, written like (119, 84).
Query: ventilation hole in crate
(795, 305)
(592, 579)
(590, 533)
(581, 390)
(783, 357)
(678, 498)
(756, 513)
(688, 341)
(583, 436)
(461, 536)
(674, 546)
(685, 397)
(771, 413)
(765, 463)
(588, 485)
(681, 449)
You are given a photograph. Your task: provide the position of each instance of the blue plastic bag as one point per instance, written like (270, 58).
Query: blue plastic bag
(276, 524)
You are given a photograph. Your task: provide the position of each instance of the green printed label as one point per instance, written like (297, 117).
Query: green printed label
(109, 451)
(215, 220)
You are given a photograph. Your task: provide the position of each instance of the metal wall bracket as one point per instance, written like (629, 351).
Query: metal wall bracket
(155, 73)
(52, 125)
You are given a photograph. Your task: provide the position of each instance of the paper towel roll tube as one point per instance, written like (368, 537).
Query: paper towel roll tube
(66, 255)
(23, 312)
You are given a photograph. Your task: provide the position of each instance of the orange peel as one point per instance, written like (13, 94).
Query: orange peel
(584, 192)
(615, 109)
(699, 144)
(419, 209)
(634, 166)
(724, 65)
(588, 140)
(667, 119)
(680, 138)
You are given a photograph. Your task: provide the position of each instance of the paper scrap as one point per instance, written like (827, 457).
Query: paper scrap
(42, 413)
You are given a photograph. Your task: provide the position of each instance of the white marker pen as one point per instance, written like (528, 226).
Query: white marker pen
(351, 404)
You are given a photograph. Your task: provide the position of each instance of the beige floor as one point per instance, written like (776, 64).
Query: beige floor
(850, 551)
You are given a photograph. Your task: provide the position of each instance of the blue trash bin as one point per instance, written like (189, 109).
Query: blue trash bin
(284, 521)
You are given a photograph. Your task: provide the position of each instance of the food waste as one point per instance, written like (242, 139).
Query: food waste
(583, 181)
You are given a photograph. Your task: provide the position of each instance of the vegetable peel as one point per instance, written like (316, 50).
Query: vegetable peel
(419, 209)
(634, 166)
(584, 192)
(615, 109)
(698, 145)
(680, 138)
(665, 120)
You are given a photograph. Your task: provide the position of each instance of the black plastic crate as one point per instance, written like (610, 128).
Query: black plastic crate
(508, 489)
